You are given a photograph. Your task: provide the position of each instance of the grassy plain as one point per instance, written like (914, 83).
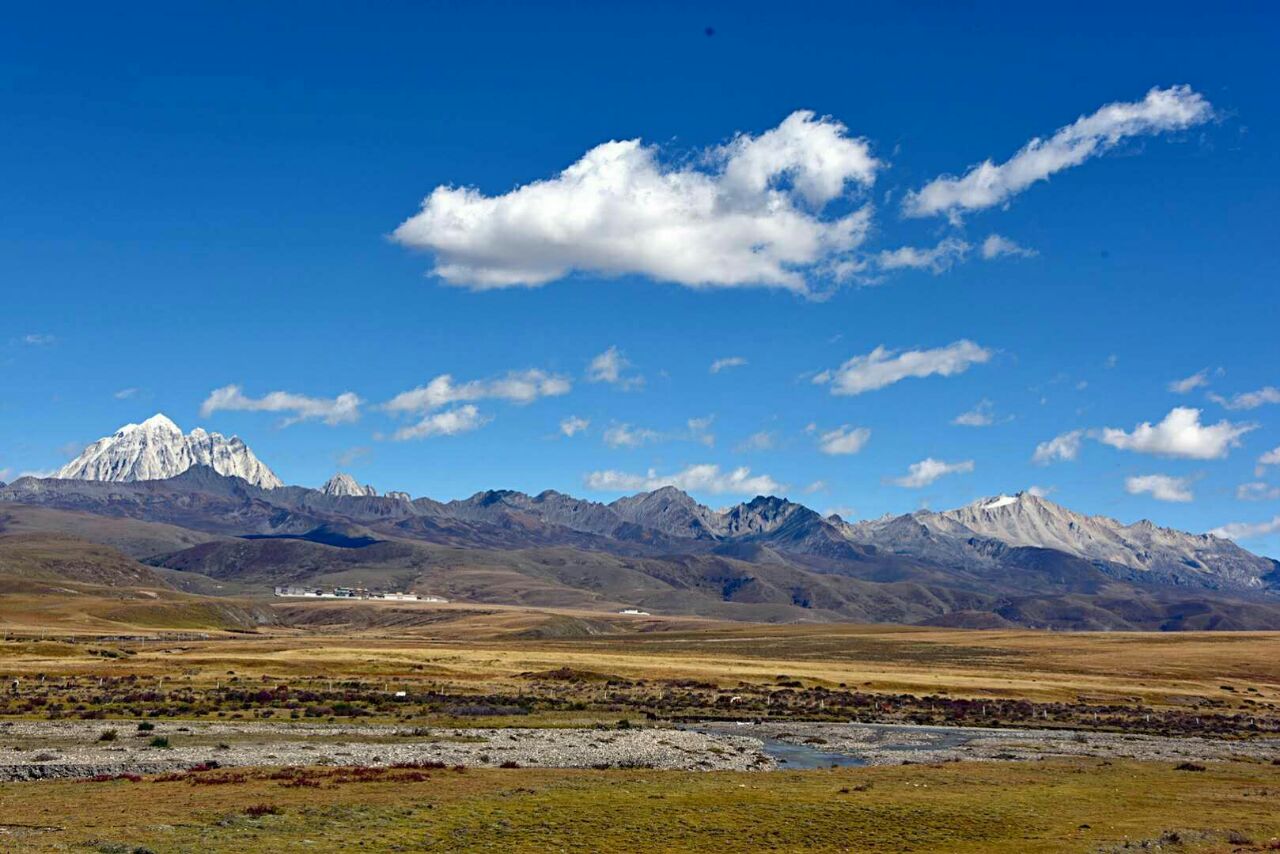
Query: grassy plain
(1081, 805)
(574, 668)
(478, 646)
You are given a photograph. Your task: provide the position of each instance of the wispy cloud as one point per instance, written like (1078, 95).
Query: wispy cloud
(125, 394)
(1257, 491)
(998, 246)
(706, 478)
(844, 440)
(761, 441)
(1188, 384)
(1247, 530)
(352, 455)
(1270, 458)
(700, 430)
(988, 184)
(936, 259)
(1249, 399)
(982, 415)
(627, 436)
(519, 387)
(748, 213)
(726, 363)
(1162, 487)
(36, 339)
(610, 367)
(342, 409)
(882, 367)
(573, 425)
(928, 470)
(1063, 447)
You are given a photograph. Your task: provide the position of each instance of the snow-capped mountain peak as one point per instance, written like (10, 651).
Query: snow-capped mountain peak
(345, 484)
(1030, 520)
(157, 449)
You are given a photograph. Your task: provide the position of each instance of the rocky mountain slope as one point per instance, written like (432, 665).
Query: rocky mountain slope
(157, 449)
(1007, 560)
(345, 484)
(1142, 550)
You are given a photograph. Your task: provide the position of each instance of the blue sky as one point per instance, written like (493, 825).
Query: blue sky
(210, 197)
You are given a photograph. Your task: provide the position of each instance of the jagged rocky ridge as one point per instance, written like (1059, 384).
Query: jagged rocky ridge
(977, 538)
(345, 484)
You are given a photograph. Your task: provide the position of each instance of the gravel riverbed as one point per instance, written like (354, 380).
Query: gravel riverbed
(893, 744)
(34, 750)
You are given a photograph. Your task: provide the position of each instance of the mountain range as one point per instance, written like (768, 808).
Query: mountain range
(225, 522)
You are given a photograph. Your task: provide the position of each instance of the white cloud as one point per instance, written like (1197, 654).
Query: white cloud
(816, 486)
(125, 394)
(928, 470)
(39, 474)
(700, 430)
(761, 441)
(608, 367)
(1247, 530)
(1257, 491)
(351, 455)
(1249, 399)
(705, 478)
(987, 184)
(999, 246)
(1180, 434)
(626, 436)
(4, 475)
(844, 440)
(749, 213)
(936, 259)
(980, 416)
(1197, 380)
(518, 387)
(342, 409)
(1270, 458)
(1040, 491)
(1161, 486)
(882, 367)
(844, 511)
(451, 422)
(573, 425)
(1065, 446)
(728, 362)
(38, 339)
(1111, 361)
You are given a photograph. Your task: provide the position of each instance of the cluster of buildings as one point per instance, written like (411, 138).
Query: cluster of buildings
(353, 593)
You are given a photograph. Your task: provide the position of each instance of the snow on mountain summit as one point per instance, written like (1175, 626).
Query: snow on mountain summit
(157, 449)
(345, 484)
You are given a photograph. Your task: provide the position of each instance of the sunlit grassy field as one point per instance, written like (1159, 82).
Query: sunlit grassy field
(1013, 807)
(490, 645)
(659, 669)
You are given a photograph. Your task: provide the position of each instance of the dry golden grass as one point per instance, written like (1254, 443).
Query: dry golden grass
(1079, 805)
(479, 645)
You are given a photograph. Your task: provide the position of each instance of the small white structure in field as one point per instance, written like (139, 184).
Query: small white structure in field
(634, 612)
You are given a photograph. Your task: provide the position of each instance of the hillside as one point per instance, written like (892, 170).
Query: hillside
(1014, 560)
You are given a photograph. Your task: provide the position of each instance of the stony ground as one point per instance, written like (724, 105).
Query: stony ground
(48, 749)
(60, 749)
(879, 744)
